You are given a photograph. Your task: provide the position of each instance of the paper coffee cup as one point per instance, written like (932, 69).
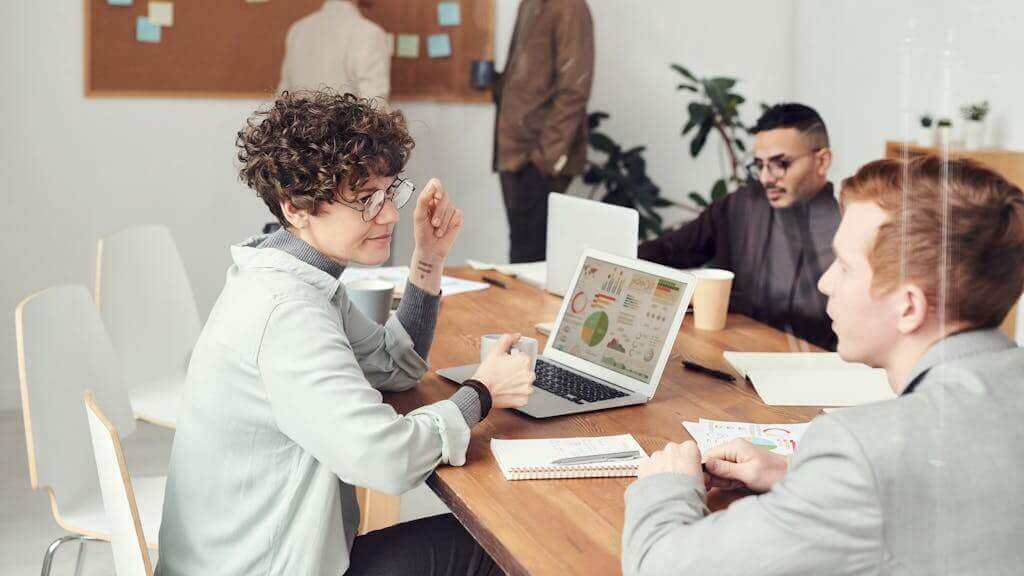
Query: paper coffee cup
(372, 297)
(711, 298)
(526, 345)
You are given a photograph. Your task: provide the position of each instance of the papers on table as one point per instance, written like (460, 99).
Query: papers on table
(810, 379)
(399, 275)
(533, 273)
(778, 438)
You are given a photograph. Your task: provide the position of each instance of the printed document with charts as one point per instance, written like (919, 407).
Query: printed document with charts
(810, 379)
(535, 458)
(778, 438)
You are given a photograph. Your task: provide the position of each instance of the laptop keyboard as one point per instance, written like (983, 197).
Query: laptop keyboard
(572, 386)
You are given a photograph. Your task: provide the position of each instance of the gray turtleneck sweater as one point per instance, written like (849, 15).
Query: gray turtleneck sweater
(417, 312)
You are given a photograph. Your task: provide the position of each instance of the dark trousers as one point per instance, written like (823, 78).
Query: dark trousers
(438, 546)
(526, 202)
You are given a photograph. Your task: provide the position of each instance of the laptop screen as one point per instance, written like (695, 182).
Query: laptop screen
(619, 318)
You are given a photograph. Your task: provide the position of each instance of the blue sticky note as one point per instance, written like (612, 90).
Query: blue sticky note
(448, 14)
(146, 31)
(439, 46)
(119, 2)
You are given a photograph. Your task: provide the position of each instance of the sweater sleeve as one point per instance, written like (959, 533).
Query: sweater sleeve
(692, 244)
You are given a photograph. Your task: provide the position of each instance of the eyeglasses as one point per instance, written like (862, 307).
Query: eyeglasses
(399, 192)
(777, 166)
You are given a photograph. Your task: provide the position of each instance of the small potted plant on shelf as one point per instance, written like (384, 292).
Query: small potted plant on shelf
(945, 126)
(926, 133)
(974, 125)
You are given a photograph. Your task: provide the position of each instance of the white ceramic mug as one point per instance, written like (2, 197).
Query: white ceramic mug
(372, 297)
(526, 345)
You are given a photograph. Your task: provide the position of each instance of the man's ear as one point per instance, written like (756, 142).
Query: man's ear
(823, 161)
(912, 306)
(297, 217)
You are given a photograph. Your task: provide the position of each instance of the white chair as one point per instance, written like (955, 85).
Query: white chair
(62, 351)
(126, 533)
(146, 304)
(1020, 321)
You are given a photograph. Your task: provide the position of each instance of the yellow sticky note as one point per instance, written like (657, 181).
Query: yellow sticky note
(161, 13)
(408, 46)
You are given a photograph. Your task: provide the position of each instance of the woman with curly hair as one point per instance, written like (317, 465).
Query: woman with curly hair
(283, 413)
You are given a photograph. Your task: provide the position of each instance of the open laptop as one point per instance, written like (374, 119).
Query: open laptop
(575, 224)
(611, 340)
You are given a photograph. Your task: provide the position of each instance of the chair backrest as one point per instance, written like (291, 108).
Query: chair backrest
(63, 350)
(126, 537)
(146, 302)
(1020, 321)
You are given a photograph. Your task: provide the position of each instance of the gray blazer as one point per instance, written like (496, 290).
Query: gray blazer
(929, 483)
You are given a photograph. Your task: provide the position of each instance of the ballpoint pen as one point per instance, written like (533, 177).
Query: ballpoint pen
(710, 372)
(594, 458)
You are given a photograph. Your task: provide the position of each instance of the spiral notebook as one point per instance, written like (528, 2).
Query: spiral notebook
(533, 459)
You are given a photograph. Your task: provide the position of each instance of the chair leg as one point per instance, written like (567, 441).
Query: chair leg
(51, 550)
(81, 558)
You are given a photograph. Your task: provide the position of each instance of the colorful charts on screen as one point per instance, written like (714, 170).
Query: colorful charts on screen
(594, 328)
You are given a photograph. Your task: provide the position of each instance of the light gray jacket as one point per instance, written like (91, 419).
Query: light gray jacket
(929, 483)
(283, 415)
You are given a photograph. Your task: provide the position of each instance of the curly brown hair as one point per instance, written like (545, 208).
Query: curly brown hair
(308, 144)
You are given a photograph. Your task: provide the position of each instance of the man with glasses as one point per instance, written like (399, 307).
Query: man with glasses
(775, 234)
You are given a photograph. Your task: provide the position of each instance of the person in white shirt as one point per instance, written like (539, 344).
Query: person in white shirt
(337, 47)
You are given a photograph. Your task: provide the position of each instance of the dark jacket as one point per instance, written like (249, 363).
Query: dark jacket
(542, 95)
(733, 234)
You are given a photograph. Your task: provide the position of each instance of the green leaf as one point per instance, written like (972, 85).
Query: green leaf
(698, 199)
(602, 143)
(697, 144)
(719, 190)
(663, 202)
(723, 84)
(686, 73)
(689, 87)
(594, 119)
(698, 113)
(739, 145)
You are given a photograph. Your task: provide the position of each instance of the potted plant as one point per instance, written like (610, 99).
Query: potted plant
(974, 125)
(926, 133)
(945, 131)
(622, 175)
(716, 111)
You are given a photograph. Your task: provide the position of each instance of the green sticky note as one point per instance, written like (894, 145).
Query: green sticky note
(119, 2)
(161, 13)
(146, 31)
(448, 14)
(408, 46)
(439, 46)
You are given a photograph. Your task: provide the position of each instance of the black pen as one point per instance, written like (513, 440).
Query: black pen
(494, 282)
(705, 370)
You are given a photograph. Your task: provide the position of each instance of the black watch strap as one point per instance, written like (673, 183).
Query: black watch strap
(484, 393)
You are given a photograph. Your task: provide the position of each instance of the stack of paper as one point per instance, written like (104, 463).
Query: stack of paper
(810, 379)
(533, 273)
(399, 275)
(539, 458)
(777, 438)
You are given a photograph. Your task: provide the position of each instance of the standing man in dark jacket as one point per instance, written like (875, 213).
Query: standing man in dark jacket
(776, 236)
(541, 134)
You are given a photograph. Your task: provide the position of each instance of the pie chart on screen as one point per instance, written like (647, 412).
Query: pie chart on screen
(578, 302)
(594, 328)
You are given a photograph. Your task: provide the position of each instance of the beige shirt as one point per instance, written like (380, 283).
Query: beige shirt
(338, 48)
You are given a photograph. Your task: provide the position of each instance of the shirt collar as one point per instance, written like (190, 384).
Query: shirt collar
(249, 256)
(956, 347)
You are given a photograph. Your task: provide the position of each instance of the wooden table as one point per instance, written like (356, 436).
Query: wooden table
(574, 526)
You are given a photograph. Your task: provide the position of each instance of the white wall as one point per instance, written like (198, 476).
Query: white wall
(76, 168)
(872, 66)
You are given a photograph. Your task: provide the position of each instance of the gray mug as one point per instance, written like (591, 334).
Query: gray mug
(372, 297)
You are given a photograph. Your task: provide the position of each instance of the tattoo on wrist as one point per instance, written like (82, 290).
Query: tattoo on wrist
(424, 269)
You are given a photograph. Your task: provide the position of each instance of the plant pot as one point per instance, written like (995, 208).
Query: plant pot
(945, 136)
(926, 136)
(974, 133)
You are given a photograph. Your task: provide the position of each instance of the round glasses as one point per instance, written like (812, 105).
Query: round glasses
(777, 166)
(398, 192)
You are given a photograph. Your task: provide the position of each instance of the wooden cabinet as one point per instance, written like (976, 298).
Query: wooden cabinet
(1009, 163)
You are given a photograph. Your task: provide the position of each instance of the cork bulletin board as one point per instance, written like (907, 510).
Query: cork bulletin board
(234, 48)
